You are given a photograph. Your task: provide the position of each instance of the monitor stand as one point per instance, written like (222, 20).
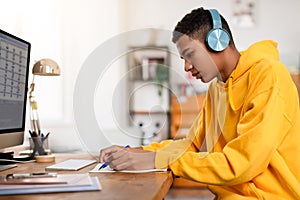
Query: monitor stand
(7, 158)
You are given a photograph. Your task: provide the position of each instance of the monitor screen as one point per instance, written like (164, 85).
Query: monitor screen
(14, 65)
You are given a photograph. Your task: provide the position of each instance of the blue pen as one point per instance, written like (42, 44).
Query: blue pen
(107, 163)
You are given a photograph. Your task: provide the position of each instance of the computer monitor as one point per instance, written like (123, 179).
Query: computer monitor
(14, 67)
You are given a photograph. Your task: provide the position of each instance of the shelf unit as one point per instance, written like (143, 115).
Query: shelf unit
(148, 92)
(184, 111)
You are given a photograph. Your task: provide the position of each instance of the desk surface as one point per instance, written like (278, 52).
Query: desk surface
(154, 185)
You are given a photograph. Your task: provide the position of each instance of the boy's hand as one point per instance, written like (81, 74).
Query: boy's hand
(120, 158)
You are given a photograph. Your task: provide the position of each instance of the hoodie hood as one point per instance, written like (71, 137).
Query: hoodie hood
(264, 50)
(257, 52)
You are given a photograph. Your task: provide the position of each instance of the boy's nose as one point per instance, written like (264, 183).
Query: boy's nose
(187, 66)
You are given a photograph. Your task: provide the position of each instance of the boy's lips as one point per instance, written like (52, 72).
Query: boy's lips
(197, 75)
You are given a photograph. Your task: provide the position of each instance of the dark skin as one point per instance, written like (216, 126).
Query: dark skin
(203, 64)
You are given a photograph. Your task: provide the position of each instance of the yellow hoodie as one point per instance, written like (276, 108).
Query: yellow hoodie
(250, 126)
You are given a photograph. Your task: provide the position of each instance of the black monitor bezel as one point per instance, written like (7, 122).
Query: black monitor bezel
(22, 129)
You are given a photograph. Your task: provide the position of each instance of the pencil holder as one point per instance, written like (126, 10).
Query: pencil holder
(39, 146)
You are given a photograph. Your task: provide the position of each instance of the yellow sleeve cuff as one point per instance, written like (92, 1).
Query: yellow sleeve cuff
(155, 146)
(171, 152)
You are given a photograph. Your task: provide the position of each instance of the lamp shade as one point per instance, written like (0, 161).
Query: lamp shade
(46, 67)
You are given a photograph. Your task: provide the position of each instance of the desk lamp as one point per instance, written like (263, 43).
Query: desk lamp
(43, 67)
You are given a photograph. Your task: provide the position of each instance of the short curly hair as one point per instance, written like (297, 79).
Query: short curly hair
(196, 25)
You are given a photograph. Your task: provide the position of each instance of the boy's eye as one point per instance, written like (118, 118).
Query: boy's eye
(189, 55)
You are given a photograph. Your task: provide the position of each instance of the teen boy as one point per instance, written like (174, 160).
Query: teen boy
(250, 122)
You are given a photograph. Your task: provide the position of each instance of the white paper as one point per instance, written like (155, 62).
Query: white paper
(108, 169)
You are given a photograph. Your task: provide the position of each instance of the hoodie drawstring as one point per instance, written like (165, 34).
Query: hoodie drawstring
(230, 95)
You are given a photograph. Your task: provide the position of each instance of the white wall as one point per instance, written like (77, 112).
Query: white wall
(276, 19)
(39, 22)
(69, 30)
(42, 28)
(86, 24)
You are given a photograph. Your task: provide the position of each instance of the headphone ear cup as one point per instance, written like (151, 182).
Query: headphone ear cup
(217, 39)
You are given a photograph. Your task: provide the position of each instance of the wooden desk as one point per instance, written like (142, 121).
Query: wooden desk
(114, 185)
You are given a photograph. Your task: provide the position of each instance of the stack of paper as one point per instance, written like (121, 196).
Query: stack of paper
(108, 169)
(60, 183)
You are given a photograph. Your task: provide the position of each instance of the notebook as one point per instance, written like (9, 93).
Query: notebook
(108, 169)
(71, 164)
(72, 183)
(5, 167)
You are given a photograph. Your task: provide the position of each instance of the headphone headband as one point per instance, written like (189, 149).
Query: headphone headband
(217, 23)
